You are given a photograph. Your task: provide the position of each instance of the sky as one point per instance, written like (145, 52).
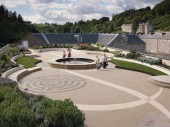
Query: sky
(61, 11)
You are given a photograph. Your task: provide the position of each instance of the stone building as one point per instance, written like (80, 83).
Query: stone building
(143, 28)
(157, 43)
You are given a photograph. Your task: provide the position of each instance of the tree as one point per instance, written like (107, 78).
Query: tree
(20, 19)
(135, 24)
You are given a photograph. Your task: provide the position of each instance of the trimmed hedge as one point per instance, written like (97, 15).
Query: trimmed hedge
(136, 67)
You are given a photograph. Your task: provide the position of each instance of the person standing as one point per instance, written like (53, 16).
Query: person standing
(69, 52)
(104, 61)
(64, 53)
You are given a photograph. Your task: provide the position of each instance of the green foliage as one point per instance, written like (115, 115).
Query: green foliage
(135, 23)
(136, 67)
(12, 26)
(118, 53)
(100, 45)
(59, 113)
(105, 50)
(15, 112)
(6, 85)
(133, 54)
(7, 82)
(150, 60)
(87, 47)
(19, 109)
(162, 8)
(4, 90)
(5, 63)
(27, 61)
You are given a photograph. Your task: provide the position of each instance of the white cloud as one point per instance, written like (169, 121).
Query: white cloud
(61, 11)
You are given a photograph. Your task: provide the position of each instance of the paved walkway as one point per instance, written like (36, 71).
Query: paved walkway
(109, 97)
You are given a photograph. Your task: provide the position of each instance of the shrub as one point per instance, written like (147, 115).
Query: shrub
(4, 90)
(14, 111)
(4, 58)
(7, 82)
(105, 50)
(59, 113)
(152, 61)
(19, 109)
(117, 53)
(133, 54)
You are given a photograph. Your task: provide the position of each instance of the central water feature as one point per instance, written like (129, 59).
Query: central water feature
(73, 63)
(75, 60)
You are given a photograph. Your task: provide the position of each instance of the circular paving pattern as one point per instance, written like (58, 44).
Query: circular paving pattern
(52, 83)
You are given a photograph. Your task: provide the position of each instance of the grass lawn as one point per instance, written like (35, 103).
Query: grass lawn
(136, 67)
(27, 61)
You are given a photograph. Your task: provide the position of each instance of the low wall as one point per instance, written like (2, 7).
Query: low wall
(3, 49)
(46, 50)
(7, 73)
(16, 57)
(26, 72)
(54, 64)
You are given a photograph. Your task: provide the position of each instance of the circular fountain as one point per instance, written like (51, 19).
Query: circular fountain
(72, 63)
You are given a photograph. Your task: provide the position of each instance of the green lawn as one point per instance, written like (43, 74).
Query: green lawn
(136, 67)
(27, 61)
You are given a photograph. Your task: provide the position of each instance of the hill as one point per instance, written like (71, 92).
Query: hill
(12, 26)
(158, 17)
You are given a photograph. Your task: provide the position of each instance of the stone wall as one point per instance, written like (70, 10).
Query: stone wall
(143, 28)
(151, 45)
(126, 28)
(163, 46)
(157, 46)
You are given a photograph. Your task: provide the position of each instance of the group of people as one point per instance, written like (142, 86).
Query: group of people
(69, 53)
(102, 63)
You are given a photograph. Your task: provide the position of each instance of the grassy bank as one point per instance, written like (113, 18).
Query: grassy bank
(136, 67)
(27, 61)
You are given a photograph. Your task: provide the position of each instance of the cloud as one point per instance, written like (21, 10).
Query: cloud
(61, 11)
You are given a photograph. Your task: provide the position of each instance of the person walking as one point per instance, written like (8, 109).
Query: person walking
(98, 63)
(104, 61)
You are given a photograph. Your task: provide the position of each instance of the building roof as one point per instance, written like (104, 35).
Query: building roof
(106, 38)
(72, 38)
(132, 39)
(149, 36)
(155, 36)
(40, 37)
(165, 36)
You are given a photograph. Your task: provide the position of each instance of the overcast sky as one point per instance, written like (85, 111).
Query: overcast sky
(61, 11)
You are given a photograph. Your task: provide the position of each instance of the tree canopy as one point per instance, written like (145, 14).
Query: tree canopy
(12, 26)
